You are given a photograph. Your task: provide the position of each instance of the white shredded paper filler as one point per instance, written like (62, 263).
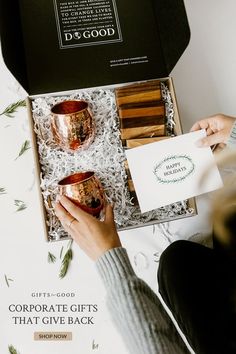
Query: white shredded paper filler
(105, 157)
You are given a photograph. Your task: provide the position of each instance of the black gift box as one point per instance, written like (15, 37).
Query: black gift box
(54, 46)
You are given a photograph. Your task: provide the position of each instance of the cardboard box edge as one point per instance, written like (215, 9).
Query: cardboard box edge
(178, 127)
(151, 223)
(37, 167)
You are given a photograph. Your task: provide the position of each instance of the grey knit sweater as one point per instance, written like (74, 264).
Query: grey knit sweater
(135, 308)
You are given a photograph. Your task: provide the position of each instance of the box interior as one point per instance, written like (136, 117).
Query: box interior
(138, 220)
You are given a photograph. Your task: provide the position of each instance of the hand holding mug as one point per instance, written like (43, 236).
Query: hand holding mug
(94, 237)
(85, 190)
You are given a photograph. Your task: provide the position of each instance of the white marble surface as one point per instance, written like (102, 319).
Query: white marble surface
(204, 80)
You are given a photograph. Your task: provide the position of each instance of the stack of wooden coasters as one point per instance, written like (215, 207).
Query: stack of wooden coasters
(141, 111)
(142, 118)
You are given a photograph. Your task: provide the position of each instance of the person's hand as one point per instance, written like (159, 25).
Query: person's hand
(93, 236)
(218, 130)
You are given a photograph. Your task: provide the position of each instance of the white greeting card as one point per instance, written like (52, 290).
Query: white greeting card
(168, 171)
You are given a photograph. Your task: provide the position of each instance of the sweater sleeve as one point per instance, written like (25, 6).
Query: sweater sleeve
(232, 138)
(135, 308)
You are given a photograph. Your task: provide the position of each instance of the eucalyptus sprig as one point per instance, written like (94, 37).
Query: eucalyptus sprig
(66, 261)
(51, 258)
(20, 205)
(94, 345)
(7, 280)
(25, 146)
(2, 191)
(12, 350)
(13, 108)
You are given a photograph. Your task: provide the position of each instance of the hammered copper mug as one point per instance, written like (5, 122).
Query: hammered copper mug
(85, 190)
(72, 125)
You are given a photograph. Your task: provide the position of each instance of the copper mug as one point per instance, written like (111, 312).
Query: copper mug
(72, 125)
(85, 190)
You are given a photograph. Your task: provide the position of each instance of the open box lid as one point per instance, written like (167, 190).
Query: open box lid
(59, 45)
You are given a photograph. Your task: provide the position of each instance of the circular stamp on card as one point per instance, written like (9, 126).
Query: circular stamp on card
(174, 169)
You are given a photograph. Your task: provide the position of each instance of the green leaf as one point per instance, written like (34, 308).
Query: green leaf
(66, 261)
(51, 258)
(62, 249)
(18, 202)
(6, 280)
(25, 146)
(12, 108)
(12, 350)
(70, 244)
(2, 191)
(94, 345)
(20, 205)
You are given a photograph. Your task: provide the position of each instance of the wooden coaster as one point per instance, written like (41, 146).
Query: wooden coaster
(130, 184)
(139, 142)
(141, 110)
(142, 118)
(139, 93)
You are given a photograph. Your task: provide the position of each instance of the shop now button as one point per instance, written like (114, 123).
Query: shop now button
(53, 336)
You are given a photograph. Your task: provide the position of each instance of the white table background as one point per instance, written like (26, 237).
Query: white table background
(205, 84)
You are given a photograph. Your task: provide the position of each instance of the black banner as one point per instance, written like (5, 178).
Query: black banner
(87, 22)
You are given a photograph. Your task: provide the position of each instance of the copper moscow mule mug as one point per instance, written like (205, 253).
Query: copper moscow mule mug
(72, 125)
(85, 190)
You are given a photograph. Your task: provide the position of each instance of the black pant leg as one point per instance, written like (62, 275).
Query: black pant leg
(188, 282)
